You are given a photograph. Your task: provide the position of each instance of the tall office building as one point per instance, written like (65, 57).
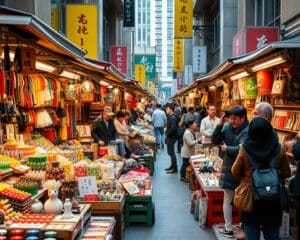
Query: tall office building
(164, 41)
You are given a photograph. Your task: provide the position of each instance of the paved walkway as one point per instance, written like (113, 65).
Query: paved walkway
(173, 220)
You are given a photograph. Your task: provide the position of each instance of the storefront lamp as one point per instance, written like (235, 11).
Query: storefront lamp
(239, 75)
(103, 83)
(269, 63)
(212, 88)
(191, 95)
(44, 67)
(70, 75)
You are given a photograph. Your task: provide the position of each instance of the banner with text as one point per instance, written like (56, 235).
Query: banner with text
(199, 59)
(140, 74)
(129, 13)
(151, 87)
(118, 57)
(82, 27)
(183, 19)
(178, 55)
(55, 17)
(149, 61)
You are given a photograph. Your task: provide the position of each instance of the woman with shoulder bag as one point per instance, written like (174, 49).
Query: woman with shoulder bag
(294, 186)
(260, 146)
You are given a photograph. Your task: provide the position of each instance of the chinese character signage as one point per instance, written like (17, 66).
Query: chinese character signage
(140, 74)
(252, 38)
(82, 27)
(55, 17)
(119, 58)
(129, 14)
(149, 61)
(28, 60)
(178, 55)
(199, 59)
(188, 74)
(183, 18)
(151, 87)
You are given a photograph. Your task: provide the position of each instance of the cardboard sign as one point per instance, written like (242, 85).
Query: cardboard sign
(87, 186)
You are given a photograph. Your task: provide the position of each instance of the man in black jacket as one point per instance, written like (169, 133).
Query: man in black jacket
(105, 133)
(230, 136)
(171, 136)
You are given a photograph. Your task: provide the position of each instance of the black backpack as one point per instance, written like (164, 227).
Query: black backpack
(265, 180)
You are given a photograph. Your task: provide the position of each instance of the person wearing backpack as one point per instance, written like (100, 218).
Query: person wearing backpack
(264, 149)
(230, 136)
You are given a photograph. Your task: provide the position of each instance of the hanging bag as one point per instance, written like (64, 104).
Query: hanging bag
(279, 82)
(243, 197)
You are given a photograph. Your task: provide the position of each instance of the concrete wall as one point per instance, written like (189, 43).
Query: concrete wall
(289, 9)
(228, 27)
(41, 8)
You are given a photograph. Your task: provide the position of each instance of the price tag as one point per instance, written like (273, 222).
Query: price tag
(92, 198)
(87, 186)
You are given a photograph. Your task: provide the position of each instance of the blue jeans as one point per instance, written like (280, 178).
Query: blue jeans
(159, 134)
(185, 163)
(252, 231)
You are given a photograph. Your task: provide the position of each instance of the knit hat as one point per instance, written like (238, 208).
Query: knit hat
(260, 129)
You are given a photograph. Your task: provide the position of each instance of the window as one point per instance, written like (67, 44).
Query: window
(267, 12)
(216, 29)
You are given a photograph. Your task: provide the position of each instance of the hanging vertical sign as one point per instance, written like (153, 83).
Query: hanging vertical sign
(55, 17)
(151, 87)
(183, 18)
(119, 58)
(82, 27)
(149, 61)
(188, 74)
(140, 74)
(199, 59)
(129, 13)
(28, 60)
(178, 55)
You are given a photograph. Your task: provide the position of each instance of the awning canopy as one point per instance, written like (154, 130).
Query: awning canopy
(233, 64)
(55, 49)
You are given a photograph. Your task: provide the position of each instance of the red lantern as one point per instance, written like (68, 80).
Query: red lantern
(103, 90)
(264, 81)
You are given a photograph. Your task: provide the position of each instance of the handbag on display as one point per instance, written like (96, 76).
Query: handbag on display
(243, 197)
(278, 83)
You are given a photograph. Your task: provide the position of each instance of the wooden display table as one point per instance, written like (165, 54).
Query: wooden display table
(111, 208)
(208, 186)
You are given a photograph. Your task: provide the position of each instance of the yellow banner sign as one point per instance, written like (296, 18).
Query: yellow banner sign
(55, 17)
(183, 18)
(140, 73)
(178, 64)
(82, 27)
(151, 87)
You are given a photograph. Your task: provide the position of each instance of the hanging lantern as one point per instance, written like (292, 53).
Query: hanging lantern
(70, 91)
(264, 80)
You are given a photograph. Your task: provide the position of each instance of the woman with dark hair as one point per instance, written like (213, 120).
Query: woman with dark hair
(261, 146)
(121, 126)
(189, 142)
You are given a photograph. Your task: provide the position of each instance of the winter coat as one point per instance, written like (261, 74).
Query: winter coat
(264, 213)
(172, 126)
(101, 132)
(232, 138)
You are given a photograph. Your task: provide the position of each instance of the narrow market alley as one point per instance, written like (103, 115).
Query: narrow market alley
(172, 203)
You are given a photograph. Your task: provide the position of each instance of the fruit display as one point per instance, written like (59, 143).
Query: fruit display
(80, 168)
(93, 169)
(37, 162)
(68, 168)
(27, 185)
(41, 141)
(35, 218)
(12, 162)
(19, 200)
(4, 168)
(55, 172)
(112, 157)
(36, 175)
(8, 211)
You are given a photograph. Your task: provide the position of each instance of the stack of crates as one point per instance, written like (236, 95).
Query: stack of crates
(148, 161)
(139, 209)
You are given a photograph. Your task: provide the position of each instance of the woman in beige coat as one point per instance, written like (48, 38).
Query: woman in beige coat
(189, 142)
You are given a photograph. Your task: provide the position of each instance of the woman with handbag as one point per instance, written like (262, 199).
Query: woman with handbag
(259, 145)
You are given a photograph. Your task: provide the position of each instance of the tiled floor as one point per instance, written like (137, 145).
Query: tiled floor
(172, 217)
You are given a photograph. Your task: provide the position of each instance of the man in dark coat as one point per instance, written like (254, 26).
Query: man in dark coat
(171, 136)
(229, 137)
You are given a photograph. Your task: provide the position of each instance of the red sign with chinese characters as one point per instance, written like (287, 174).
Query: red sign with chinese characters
(119, 58)
(179, 83)
(252, 38)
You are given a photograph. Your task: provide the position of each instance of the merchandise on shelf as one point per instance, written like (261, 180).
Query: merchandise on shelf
(12, 162)
(27, 185)
(55, 172)
(37, 162)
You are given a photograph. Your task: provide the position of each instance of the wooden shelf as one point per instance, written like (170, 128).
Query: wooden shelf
(287, 106)
(285, 130)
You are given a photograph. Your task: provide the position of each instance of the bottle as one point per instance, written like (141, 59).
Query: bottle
(68, 209)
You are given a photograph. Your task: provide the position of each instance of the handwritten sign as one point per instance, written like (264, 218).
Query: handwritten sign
(87, 186)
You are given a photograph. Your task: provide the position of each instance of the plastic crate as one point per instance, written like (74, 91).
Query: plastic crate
(139, 209)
